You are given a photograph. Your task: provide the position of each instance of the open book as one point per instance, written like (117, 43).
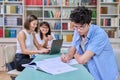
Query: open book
(52, 65)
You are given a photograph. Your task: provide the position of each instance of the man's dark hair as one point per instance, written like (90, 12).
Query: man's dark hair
(28, 20)
(81, 15)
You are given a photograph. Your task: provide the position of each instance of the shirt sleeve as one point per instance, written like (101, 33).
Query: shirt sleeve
(98, 43)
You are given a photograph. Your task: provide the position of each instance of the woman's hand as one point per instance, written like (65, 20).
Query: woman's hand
(50, 37)
(44, 50)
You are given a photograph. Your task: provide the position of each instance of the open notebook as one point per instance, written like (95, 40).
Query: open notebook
(52, 65)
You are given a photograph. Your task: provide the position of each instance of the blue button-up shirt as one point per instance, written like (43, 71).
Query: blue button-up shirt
(102, 65)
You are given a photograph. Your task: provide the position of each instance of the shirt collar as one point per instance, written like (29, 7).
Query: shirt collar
(91, 31)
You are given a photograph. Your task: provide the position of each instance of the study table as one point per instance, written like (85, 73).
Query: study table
(31, 74)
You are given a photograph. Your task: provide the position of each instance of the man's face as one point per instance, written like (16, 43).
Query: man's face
(81, 29)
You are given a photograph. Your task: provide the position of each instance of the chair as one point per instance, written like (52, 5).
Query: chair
(10, 51)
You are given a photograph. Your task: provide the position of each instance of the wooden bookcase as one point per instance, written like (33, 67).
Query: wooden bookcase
(11, 17)
(57, 13)
(108, 17)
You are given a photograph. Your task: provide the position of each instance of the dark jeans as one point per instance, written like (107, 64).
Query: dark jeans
(21, 59)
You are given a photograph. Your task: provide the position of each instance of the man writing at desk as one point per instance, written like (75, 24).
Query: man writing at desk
(91, 47)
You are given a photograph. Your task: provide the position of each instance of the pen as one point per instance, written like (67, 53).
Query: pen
(63, 56)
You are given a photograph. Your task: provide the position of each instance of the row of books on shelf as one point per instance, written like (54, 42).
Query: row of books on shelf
(86, 2)
(12, 33)
(111, 33)
(61, 2)
(109, 9)
(10, 0)
(38, 13)
(109, 22)
(65, 26)
(33, 2)
(9, 33)
(57, 13)
(52, 13)
(10, 9)
(52, 2)
(65, 37)
(13, 20)
(1, 9)
(109, 0)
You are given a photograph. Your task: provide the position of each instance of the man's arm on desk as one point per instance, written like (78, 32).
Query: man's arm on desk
(69, 55)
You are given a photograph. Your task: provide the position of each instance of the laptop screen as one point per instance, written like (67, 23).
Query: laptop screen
(56, 46)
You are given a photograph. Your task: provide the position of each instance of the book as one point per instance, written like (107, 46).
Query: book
(64, 26)
(69, 37)
(52, 66)
(94, 12)
(1, 32)
(7, 33)
(37, 13)
(57, 36)
(28, 2)
(103, 10)
(12, 33)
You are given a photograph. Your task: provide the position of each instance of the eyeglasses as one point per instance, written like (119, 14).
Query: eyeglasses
(80, 27)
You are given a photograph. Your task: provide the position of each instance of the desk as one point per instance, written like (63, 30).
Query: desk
(31, 74)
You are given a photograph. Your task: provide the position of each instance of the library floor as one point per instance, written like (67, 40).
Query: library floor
(4, 76)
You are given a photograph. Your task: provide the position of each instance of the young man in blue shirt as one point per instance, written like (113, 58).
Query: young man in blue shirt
(91, 47)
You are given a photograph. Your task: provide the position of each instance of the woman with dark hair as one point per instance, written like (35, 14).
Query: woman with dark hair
(44, 36)
(25, 43)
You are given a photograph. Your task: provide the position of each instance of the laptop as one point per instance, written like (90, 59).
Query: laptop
(56, 46)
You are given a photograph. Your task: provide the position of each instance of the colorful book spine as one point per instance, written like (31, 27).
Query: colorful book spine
(94, 13)
(67, 37)
(57, 36)
(65, 26)
(1, 32)
(33, 2)
(12, 33)
(7, 33)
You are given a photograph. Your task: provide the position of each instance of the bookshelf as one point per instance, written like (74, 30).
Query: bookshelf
(11, 18)
(108, 11)
(57, 13)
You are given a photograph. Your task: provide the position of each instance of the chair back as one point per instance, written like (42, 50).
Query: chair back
(10, 51)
